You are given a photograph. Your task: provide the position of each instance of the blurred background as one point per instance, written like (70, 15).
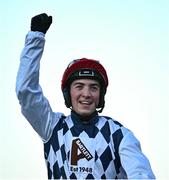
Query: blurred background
(130, 38)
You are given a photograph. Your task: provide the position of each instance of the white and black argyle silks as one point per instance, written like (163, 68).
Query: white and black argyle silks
(101, 137)
(101, 149)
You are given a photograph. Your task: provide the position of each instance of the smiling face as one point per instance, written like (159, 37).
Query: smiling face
(85, 94)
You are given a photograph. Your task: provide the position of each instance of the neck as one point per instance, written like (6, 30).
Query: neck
(84, 119)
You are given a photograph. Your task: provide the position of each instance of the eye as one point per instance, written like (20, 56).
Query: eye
(94, 88)
(78, 86)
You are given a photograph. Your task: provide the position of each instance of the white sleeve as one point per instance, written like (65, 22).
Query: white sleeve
(35, 107)
(133, 161)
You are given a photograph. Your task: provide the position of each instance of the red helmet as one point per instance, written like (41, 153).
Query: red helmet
(84, 68)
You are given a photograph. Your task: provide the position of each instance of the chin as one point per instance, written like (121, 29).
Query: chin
(85, 113)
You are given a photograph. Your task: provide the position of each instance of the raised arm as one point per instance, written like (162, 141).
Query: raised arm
(35, 107)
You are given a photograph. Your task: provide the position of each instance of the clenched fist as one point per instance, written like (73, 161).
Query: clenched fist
(41, 23)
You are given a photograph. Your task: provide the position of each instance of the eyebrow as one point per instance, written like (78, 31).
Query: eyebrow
(91, 84)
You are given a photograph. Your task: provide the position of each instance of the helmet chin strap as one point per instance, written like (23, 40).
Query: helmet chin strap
(100, 110)
(102, 107)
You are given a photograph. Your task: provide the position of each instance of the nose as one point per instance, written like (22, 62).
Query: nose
(86, 92)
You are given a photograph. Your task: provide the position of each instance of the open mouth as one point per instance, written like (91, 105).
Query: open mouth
(85, 102)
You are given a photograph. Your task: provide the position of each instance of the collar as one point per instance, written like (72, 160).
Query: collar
(85, 120)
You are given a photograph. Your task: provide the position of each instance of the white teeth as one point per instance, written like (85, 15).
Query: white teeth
(85, 102)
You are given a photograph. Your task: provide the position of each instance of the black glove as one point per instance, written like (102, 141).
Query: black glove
(41, 23)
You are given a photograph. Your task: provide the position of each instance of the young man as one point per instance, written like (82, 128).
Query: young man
(82, 145)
